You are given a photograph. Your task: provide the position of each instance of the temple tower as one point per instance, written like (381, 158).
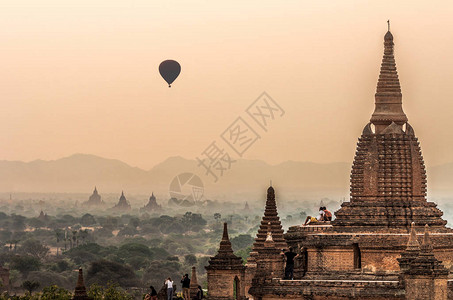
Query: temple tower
(412, 250)
(152, 205)
(388, 178)
(123, 204)
(270, 223)
(225, 272)
(80, 292)
(95, 199)
(426, 278)
(270, 216)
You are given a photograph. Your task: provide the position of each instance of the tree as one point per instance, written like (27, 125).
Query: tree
(54, 292)
(30, 286)
(83, 234)
(217, 216)
(241, 241)
(34, 248)
(25, 263)
(111, 291)
(104, 271)
(87, 220)
(59, 235)
(75, 240)
(190, 259)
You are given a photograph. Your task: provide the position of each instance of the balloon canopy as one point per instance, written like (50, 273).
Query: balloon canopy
(169, 70)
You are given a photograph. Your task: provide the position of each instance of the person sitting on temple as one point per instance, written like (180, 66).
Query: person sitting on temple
(320, 217)
(151, 295)
(289, 268)
(199, 293)
(310, 220)
(327, 214)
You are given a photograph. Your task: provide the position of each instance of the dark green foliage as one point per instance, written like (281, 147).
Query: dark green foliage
(242, 241)
(244, 253)
(25, 263)
(47, 278)
(134, 249)
(202, 262)
(87, 220)
(158, 271)
(190, 259)
(30, 286)
(34, 248)
(104, 271)
(54, 292)
(110, 292)
(159, 253)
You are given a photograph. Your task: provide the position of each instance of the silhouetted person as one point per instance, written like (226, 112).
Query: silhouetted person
(152, 295)
(289, 269)
(185, 281)
(199, 293)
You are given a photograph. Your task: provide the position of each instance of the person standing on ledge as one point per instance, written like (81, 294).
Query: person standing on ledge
(169, 284)
(185, 281)
(289, 269)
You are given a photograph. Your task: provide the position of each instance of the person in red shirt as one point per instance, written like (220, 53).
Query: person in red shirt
(327, 214)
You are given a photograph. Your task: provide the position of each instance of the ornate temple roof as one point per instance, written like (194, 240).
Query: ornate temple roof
(388, 177)
(426, 263)
(225, 258)
(270, 217)
(388, 97)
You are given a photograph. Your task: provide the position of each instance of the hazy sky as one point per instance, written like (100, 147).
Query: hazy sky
(82, 76)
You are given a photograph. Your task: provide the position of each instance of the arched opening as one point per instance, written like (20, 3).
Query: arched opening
(236, 288)
(357, 256)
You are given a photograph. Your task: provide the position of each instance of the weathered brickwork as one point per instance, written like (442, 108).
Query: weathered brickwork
(225, 272)
(387, 242)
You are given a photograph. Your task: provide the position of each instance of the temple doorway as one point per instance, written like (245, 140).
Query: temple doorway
(236, 288)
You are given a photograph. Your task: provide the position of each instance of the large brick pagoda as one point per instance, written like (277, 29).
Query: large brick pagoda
(372, 248)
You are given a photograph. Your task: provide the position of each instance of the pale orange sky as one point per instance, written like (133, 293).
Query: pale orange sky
(82, 76)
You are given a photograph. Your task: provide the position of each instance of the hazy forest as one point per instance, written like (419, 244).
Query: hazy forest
(44, 243)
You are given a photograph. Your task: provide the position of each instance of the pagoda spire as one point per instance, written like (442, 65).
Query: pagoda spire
(225, 257)
(225, 244)
(270, 224)
(413, 244)
(388, 97)
(80, 292)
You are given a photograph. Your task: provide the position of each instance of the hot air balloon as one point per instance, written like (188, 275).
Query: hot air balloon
(169, 70)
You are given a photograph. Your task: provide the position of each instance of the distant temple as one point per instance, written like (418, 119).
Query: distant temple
(246, 207)
(387, 242)
(94, 200)
(42, 216)
(123, 204)
(152, 205)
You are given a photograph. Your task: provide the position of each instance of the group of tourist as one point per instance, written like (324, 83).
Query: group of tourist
(171, 290)
(323, 216)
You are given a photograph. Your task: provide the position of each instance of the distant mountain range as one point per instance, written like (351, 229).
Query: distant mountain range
(79, 173)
